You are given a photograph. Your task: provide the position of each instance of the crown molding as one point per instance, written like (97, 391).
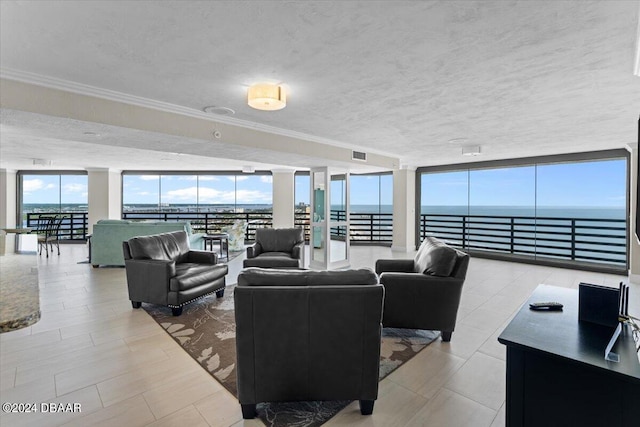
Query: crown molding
(93, 91)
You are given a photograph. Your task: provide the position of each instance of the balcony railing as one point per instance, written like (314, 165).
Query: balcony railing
(591, 240)
(364, 227)
(73, 227)
(208, 222)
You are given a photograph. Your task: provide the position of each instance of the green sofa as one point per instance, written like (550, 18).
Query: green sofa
(108, 235)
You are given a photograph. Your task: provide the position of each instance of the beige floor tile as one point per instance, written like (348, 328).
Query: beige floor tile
(485, 320)
(221, 409)
(87, 398)
(449, 409)
(427, 372)
(46, 351)
(75, 357)
(121, 387)
(481, 379)
(395, 406)
(25, 343)
(249, 423)
(8, 336)
(500, 419)
(40, 390)
(93, 373)
(7, 378)
(132, 412)
(465, 341)
(176, 394)
(188, 416)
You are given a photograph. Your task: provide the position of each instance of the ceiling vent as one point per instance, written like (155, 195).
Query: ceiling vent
(359, 155)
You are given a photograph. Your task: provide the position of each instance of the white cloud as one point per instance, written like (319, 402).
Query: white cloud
(30, 185)
(74, 188)
(253, 196)
(212, 195)
(149, 177)
(268, 179)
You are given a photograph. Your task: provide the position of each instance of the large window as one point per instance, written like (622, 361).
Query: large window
(567, 209)
(175, 192)
(61, 193)
(210, 201)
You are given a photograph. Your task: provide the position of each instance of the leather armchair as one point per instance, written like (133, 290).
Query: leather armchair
(418, 300)
(276, 248)
(305, 335)
(161, 269)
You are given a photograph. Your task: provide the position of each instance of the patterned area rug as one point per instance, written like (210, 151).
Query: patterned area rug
(206, 330)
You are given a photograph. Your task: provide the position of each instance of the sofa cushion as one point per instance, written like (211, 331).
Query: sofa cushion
(165, 246)
(278, 239)
(269, 260)
(276, 277)
(190, 275)
(435, 258)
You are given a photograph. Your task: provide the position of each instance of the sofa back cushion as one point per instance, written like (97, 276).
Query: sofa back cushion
(254, 276)
(172, 246)
(279, 239)
(435, 258)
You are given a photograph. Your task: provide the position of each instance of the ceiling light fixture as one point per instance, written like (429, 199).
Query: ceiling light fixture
(267, 97)
(471, 151)
(42, 162)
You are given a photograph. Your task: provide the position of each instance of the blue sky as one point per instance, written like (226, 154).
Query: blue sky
(55, 189)
(584, 184)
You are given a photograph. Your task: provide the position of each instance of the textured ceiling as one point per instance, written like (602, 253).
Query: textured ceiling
(519, 78)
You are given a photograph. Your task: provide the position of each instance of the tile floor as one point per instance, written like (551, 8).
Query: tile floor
(92, 348)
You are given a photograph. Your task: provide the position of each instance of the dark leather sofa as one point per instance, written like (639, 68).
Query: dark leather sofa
(424, 292)
(304, 335)
(276, 248)
(161, 269)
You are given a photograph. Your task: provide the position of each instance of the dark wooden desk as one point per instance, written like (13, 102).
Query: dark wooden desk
(556, 372)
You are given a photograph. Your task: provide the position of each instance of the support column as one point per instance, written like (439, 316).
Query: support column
(283, 198)
(7, 209)
(404, 210)
(105, 195)
(634, 244)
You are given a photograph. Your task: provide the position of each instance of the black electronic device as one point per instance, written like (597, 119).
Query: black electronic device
(546, 306)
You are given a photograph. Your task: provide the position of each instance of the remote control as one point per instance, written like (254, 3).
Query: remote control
(549, 306)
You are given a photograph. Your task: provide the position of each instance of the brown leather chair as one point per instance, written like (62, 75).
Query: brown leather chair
(424, 292)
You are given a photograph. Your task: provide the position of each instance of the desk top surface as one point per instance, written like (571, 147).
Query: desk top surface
(560, 334)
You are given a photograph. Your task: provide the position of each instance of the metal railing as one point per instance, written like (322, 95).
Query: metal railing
(593, 240)
(364, 227)
(208, 222)
(73, 226)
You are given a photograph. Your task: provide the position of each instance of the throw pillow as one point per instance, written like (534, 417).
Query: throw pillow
(435, 258)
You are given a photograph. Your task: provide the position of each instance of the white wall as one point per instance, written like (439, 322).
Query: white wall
(105, 195)
(7, 209)
(404, 210)
(283, 198)
(634, 245)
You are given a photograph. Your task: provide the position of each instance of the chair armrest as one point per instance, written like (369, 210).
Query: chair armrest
(202, 257)
(148, 279)
(397, 265)
(254, 250)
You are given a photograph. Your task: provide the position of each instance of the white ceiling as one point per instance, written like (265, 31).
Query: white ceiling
(519, 78)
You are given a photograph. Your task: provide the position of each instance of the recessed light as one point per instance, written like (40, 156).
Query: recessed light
(457, 140)
(471, 151)
(91, 134)
(220, 111)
